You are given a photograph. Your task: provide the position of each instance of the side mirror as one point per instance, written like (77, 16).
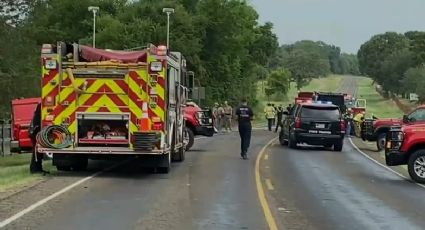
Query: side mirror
(405, 119)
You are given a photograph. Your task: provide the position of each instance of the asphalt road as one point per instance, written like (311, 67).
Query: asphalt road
(316, 188)
(213, 189)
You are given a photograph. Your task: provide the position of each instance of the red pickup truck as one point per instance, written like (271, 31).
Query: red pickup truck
(22, 113)
(198, 122)
(376, 129)
(405, 145)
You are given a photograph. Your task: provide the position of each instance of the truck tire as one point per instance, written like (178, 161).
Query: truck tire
(282, 139)
(292, 142)
(165, 166)
(63, 168)
(380, 142)
(179, 155)
(80, 164)
(416, 166)
(338, 145)
(189, 138)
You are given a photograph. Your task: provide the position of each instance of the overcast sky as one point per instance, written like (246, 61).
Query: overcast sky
(345, 23)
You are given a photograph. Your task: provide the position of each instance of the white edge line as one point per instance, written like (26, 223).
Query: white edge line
(54, 195)
(384, 166)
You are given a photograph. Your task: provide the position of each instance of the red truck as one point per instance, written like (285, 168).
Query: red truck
(22, 113)
(198, 122)
(405, 145)
(376, 129)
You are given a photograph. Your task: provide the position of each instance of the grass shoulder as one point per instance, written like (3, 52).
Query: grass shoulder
(14, 172)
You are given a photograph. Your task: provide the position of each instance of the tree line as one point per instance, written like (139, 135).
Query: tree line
(304, 60)
(223, 41)
(395, 61)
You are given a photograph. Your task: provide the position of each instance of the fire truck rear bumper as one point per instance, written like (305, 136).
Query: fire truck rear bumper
(102, 151)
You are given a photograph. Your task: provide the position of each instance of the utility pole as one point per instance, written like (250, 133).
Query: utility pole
(94, 9)
(168, 11)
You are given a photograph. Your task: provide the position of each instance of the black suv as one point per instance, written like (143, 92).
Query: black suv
(313, 124)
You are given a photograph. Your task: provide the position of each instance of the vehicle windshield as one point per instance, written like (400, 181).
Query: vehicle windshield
(417, 115)
(320, 113)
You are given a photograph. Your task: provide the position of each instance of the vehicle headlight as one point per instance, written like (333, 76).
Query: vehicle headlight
(400, 136)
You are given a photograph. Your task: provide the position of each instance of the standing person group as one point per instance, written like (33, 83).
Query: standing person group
(223, 117)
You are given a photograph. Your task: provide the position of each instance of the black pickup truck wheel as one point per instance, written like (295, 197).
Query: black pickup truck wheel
(380, 142)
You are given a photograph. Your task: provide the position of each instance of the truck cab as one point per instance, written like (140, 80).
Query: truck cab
(22, 113)
(198, 122)
(376, 129)
(405, 145)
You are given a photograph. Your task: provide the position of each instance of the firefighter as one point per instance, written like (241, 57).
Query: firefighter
(244, 115)
(279, 115)
(358, 120)
(36, 165)
(228, 112)
(269, 112)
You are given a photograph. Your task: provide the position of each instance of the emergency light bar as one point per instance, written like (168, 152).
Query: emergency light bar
(324, 102)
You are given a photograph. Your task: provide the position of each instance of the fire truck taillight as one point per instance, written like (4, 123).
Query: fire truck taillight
(49, 101)
(157, 123)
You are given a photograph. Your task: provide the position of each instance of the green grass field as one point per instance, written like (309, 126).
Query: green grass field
(14, 171)
(376, 104)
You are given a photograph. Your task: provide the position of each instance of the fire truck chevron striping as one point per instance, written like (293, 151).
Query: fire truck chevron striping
(134, 98)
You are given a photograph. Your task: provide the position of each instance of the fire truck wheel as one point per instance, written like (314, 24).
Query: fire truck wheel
(165, 167)
(179, 155)
(380, 142)
(63, 168)
(416, 166)
(80, 164)
(189, 138)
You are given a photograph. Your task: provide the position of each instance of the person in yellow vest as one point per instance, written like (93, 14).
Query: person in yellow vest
(358, 120)
(270, 114)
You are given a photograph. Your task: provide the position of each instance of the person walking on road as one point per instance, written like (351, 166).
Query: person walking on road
(228, 113)
(279, 115)
(244, 115)
(270, 114)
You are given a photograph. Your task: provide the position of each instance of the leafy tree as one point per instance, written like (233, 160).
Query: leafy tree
(414, 82)
(305, 66)
(278, 82)
(373, 53)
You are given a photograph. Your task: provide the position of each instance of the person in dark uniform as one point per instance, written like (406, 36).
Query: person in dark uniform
(36, 165)
(245, 115)
(279, 113)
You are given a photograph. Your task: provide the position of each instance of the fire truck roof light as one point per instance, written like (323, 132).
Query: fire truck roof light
(46, 49)
(162, 50)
